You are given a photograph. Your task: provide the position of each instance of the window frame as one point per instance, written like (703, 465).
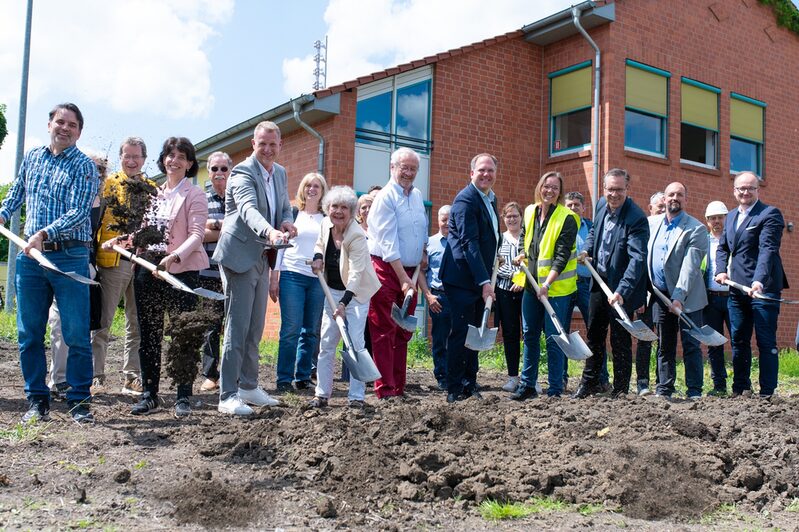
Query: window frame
(552, 75)
(760, 146)
(664, 120)
(392, 85)
(716, 132)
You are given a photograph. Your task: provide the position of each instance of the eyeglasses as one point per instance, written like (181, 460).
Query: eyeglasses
(552, 188)
(219, 168)
(407, 168)
(614, 190)
(741, 190)
(512, 216)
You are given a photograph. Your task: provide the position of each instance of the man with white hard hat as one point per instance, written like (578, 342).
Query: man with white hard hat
(715, 314)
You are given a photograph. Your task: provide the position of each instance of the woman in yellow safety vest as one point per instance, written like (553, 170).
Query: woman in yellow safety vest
(550, 232)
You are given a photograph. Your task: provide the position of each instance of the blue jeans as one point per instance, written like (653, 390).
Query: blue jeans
(301, 300)
(35, 290)
(668, 325)
(745, 314)
(715, 316)
(439, 332)
(581, 299)
(534, 320)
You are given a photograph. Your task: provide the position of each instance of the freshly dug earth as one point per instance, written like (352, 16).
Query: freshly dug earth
(415, 463)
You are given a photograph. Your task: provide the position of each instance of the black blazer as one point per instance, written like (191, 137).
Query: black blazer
(754, 248)
(472, 244)
(628, 251)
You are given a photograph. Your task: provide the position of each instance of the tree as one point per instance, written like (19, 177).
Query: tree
(3, 124)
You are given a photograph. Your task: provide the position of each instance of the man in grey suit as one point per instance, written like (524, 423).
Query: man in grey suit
(256, 203)
(677, 245)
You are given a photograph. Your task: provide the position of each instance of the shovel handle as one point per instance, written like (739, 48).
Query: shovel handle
(677, 311)
(21, 243)
(605, 288)
(342, 326)
(544, 301)
(412, 290)
(163, 274)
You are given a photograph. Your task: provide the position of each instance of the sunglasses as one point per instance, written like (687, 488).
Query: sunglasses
(219, 168)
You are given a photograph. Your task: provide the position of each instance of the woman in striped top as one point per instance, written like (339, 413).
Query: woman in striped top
(509, 296)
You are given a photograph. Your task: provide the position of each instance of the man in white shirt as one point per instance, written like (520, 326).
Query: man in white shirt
(397, 243)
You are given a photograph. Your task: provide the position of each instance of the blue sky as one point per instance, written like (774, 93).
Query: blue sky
(156, 68)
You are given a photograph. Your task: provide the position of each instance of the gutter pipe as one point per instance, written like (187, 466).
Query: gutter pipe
(576, 12)
(320, 165)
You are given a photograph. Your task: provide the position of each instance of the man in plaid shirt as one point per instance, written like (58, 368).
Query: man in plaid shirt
(58, 184)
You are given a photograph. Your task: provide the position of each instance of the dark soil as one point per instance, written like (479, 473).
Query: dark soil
(131, 214)
(187, 336)
(409, 464)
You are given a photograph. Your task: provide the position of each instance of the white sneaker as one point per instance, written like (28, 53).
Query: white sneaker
(257, 397)
(234, 405)
(511, 385)
(538, 388)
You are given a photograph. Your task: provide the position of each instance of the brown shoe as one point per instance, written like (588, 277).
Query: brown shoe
(209, 385)
(132, 387)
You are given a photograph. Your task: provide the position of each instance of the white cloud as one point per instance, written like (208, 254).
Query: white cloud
(365, 37)
(133, 56)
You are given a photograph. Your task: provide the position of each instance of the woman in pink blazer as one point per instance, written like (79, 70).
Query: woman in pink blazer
(180, 209)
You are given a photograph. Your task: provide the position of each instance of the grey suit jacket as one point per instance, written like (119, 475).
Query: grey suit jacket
(247, 215)
(687, 248)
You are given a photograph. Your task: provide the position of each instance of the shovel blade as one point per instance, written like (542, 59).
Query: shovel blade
(403, 320)
(72, 275)
(579, 350)
(360, 364)
(479, 339)
(639, 330)
(210, 294)
(708, 336)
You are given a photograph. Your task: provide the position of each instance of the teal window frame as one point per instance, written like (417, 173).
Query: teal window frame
(553, 119)
(664, 119)
(759, 146)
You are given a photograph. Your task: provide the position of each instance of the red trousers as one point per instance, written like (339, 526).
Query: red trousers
(389, 340)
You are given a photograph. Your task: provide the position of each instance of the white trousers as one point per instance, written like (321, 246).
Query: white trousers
(330, 336)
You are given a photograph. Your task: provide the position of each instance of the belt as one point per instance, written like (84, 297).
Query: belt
(65, 244)
(719, 293)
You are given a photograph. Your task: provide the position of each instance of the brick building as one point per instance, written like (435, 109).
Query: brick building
(690, 90)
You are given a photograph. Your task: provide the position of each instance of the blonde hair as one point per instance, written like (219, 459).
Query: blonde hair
(539, 198)
(300, 198)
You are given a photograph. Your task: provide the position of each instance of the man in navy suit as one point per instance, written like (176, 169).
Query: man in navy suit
(749, 254)
(617, 245)
(473, 242)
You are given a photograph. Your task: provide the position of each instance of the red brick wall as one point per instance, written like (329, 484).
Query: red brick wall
(496, 99)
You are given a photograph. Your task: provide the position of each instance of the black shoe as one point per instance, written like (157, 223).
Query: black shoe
(39, 410)
(284, 387)
(474, 394)
(584, 390)
(182, 408)
(304, 385)
(523, 393)
(442, 386)
(147, 405)
(615, 394)
(59, 391)
(605, 387)
(453, 397)
(80, 412)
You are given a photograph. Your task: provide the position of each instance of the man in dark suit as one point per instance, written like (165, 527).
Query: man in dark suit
(617, 246)
(257, 208)
(473, 242)
(750, 244)
(677, 244)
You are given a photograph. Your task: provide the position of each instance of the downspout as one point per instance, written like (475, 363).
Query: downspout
(320, 165)
(595, 141)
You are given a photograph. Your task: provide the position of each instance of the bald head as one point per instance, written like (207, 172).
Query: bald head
(676, 200)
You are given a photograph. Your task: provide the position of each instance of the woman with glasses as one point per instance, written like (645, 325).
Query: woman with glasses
(550, 233)
(298, 289)
(508, 312)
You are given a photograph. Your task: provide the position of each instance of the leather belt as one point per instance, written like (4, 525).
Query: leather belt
(719, 293)
(64, 244)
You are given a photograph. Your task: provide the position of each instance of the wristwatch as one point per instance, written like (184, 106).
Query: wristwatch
(545, 285)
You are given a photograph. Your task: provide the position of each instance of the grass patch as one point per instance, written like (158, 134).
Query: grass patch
(8, 325)
(794, 506)
(494, 511)
(789, 363)
(141, 464)
(723, 511)
(23, 432)
(267, 351)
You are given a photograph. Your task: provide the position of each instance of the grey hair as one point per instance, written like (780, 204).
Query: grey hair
(401, 152)
(340, 195)
(134, 141)
(444, 210)
(571, 196)
(219, 154)
(617, 172)
(655, 197)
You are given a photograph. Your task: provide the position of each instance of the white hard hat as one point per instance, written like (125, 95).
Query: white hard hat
(715, 208)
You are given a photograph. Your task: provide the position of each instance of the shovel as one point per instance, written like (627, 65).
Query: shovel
(706, 334)
(636, 328)
(168, 277)
(758, 295)
(400, 315)
(359, 362)
(572, 345)
(44, 261)
(480, 339)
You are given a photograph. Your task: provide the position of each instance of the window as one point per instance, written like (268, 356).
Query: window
(699, 128)
(746, 134)
(396, 112)
(646, 108)
(570, 108)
